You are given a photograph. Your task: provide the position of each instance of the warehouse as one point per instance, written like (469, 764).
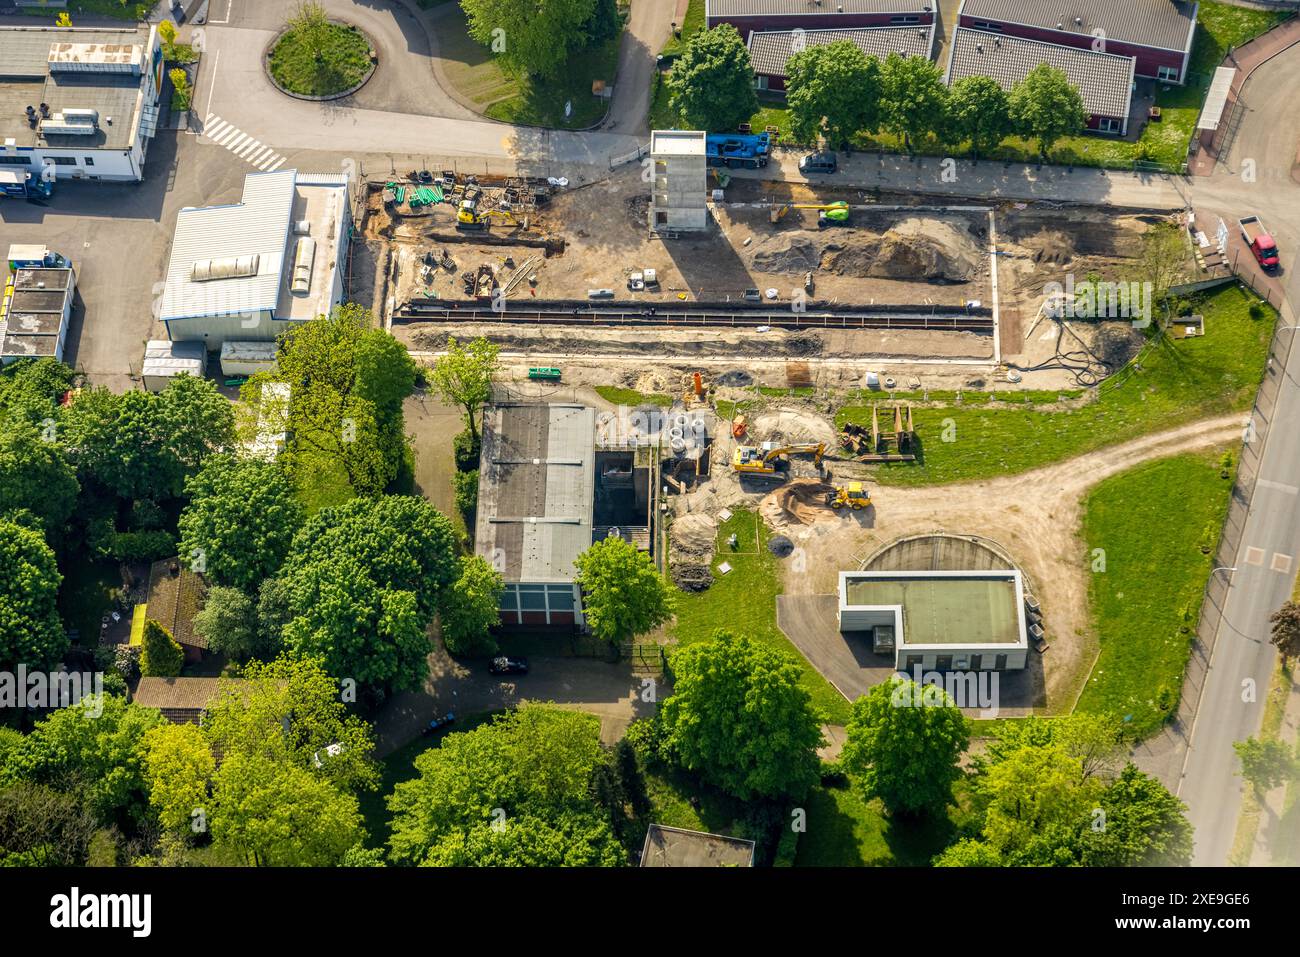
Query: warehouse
(79, 103)
(536, 507)
(770, 50)
(939, 620)
(250, 270)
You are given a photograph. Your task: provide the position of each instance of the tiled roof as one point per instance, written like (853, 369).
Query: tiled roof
(769, 51)
(758, 8)
(1104, 80)
(179, 699)
(174, 600)
(1166, 24)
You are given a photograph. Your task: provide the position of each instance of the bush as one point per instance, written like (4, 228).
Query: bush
(126, 662)
(147, 546)
(160, 655)
(834, 775)
(466, 447)
(646, 736)
(787, 845)
(466, 485)
(182, 91)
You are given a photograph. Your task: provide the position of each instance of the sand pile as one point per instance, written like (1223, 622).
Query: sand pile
(780, 254)
(693, 535)
(792, 426)
(918, 248)
(800, 502)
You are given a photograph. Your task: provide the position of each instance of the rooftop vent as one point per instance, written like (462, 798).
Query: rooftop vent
(96, 58)
(70, 122)
(234, 267)
(303, 259)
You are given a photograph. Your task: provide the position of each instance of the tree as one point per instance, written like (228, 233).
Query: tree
(30, 630)
(463, 377)
(240, 521)
(228, 622)
(740, 717)
(904, 746)
(605, 24)
(623, 593)
(913, 98)
(143, 444)
(1285, 633)
(310, 25)
(42, 827)
(30, 390)
(1141, 825)
(632, 783)
(35, 475)
(832, 91)
(979, 112)
(1265, 763)
(711, 85)
(182, 91)
(534, 764)
(363, 582)
(178, 763)
(573, 839)
(472, 608)
(969, 853)
(160, 654)
(535, 37)
(167, 31)
(1046, 106)
(1163, 260)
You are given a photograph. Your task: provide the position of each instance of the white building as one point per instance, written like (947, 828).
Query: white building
(79, 103)
(679, 194)
(250, 270)
(165, 360)
(939, 620)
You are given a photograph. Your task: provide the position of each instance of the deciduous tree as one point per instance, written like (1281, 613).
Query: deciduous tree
(979, 112)
(35, 475)
(472, 608)
(533, 36)
(1046, 106)
(913, 98)
(832, 90)
(463, 377)
(623, 593)
(1285, 632)
(228, 622)
(712, 83)
(178, 764)
(1265, 763)
(30, 630)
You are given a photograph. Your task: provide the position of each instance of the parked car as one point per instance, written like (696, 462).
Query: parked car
(1260, 241)
(819, 163)
(504, 665)
(439, 723)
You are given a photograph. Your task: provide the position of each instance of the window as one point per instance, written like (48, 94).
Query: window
(509, 599)
(561, 599)
(14, 161)
(904, 20)
(990, 27)
(1108, 124)
(62, 160)
(1167, 73)
(88, 160)
(760, 82)
(532, 597)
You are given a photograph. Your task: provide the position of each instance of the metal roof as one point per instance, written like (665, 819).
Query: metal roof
(1165, 24)
(1104, 80)
(163, 357)
(536, 486)
(759, 8)
(769, 51)
(257, 225)
(1217, 99)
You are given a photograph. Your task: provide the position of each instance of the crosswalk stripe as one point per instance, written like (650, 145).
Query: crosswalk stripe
(272, 162)
(237, 142)
(249, 149)
(278, 164)
(261, 156)
(213, 130)
(228, 137)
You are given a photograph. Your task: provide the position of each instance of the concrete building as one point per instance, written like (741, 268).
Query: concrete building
(37, 305)
(679, 194)
(676, 847)
(1157, 34)
(79, 103)
(536, 507)
(770, 50)
(939, 620)
(757, 15)
(1105, 80)
(249, 271)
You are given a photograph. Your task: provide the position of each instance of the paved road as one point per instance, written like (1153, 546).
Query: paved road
(647, 31)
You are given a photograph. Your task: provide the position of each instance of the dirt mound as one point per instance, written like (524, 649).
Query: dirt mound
(694, 535)
(1117, 342)
(793, 425)
(733, 378)
(691, 576)
(778, 254)
(1050, 246)
(800, 502)
(918, 248)
(805, 344)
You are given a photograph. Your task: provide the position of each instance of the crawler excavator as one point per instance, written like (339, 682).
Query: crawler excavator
(766, 460)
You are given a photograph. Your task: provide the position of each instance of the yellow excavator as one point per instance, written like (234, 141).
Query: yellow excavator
(470, 216)
(764, 460)
(837, 212)
(854, 496)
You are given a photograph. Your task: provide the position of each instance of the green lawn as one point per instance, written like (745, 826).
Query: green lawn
(1177, 382)
(478, 76)
(343, 63)
(846, 830)
(631, 397)
(1145, 601)
(86, 595)
(744, 601)
(691, 24)
(120, 9)
(1221, 25)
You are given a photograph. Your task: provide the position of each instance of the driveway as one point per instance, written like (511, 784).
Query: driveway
(648, 29)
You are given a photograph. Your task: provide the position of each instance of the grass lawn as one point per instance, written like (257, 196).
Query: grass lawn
(119, 9)
(846, 830)
(86, 595)
(478, 76)
(343, 63)
(1146, 603)
(744, 602)
(1221, 25)
(1177, 382)
(691, 24)
(631, 397)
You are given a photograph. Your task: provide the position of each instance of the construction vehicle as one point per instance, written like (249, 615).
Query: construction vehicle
(873, 444)
(471, 215)
(828, 214)
(732, 150)
(854, 496)
(769, 458)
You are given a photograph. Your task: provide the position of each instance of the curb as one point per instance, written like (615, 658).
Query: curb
(266, 66)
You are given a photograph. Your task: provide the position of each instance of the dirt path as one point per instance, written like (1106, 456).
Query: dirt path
(1035, 516)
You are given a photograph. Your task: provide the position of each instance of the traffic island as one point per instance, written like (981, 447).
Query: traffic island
(326, 61)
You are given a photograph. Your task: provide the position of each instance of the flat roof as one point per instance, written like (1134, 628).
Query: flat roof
(536, 489)
(678, 142)
(1105, 81)
(1217, 98)
(770, 50)
(943, 608)
(1164, 24)
(676, 847)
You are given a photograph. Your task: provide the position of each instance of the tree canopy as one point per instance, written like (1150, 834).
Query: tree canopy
(979, 112)
(913, 98)
(463, 376)
(832, 91)
(30, 629)
(472, 607)
(228, 622)
(160, 654)
(623, 593)
(1046, 106)
(712, 83)
(36, 475)
(741, 719)
(535, 36)
(1285, 629)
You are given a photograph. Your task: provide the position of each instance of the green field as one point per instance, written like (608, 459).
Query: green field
(744, 601)
(1177, 382)
(343, 61)
(846, 830)
(631, 397)
(1145, 601)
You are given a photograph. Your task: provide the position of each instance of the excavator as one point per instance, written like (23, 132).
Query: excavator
(764, 460)
(470, 217)
(854, 496)
(836, 213)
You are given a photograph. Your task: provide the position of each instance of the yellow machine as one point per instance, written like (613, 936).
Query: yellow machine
(469, 216)
(836, 212)
(854, 496)
(754, 460)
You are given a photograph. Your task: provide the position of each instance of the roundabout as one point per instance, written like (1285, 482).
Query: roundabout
(324, 60)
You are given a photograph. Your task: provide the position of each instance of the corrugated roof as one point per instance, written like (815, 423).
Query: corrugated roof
(756, 8)
(1166, 24)
(675, 847)
(258, 224)
(1104, 80)
(769, 51)
(536, 481)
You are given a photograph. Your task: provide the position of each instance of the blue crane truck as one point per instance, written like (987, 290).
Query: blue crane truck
(738, 150)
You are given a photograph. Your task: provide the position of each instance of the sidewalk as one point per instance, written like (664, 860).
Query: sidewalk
(988, 179)
(1278, 834)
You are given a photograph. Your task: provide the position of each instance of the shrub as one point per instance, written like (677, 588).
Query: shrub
(160, 655)
(466, 446)
(466, 485)
(126, 661)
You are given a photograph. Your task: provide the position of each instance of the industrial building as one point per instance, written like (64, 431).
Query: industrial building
(939, 620)
(250, 270)
(37, 306)
(79, 103)
(678, 198)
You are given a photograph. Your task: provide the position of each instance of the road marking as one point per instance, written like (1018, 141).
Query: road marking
(236, 141)
(212, 82)
(1280, 563)
(230, 4)
(1279, 486)
(1254, 555)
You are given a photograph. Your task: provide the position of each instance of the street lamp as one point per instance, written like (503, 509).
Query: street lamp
(1223, 568)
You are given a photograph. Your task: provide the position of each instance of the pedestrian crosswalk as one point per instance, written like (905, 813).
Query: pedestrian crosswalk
(241, 144)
